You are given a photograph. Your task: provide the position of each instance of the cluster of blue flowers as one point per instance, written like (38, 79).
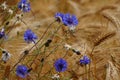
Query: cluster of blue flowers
(24, 6)
(29, 36)
(67, 19)
(60, 65)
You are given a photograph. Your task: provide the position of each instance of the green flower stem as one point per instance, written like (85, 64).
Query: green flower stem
(38, 51)
(53, 51)
(18, 62)
(42, 35)
(32, 47)
(42, 63)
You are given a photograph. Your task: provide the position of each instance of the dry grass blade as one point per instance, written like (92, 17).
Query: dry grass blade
(112, 72)
(7, 71)
(112, 19)
(106, 8)
(98, 33)
(104, 37)
(75, 7)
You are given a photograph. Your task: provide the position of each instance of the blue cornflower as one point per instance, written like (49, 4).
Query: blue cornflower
(70, 20)
(2, 33)
(59, 16)
(29, 36)
(24, 6)
(60, 65)
(85, 60)
(22, 71)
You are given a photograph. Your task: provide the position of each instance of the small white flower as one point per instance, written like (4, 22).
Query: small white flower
(72, 28)
(67, 47)
(5, 56)
(55, 76)
(22, 5)
(2, 30)
(4, 6)
(10, 11)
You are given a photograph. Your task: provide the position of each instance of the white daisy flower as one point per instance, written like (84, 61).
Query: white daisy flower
(5, 56)
(67, 47)
(4, 6)
(10, 11)
(55, 76)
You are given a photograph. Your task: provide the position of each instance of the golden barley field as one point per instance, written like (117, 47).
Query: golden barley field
(97, 35)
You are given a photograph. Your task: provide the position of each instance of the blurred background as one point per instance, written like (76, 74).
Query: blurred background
(98, 30)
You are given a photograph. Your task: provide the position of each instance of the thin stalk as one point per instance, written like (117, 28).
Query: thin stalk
(35, 56)
(65, 54)
(18, 62)
(51, 52)
(33, 47)
(42, 63)
(91, 55)
(56, 31)
(47, 57)
(42, 35)
(8, 32)
(33, 13)
(12, 27)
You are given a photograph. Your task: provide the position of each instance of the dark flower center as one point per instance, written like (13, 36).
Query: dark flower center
(30, 37)
(1, 35)
(20, 6)
(70, 21)
(60, 66)
(21, 72)
(24, 6)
